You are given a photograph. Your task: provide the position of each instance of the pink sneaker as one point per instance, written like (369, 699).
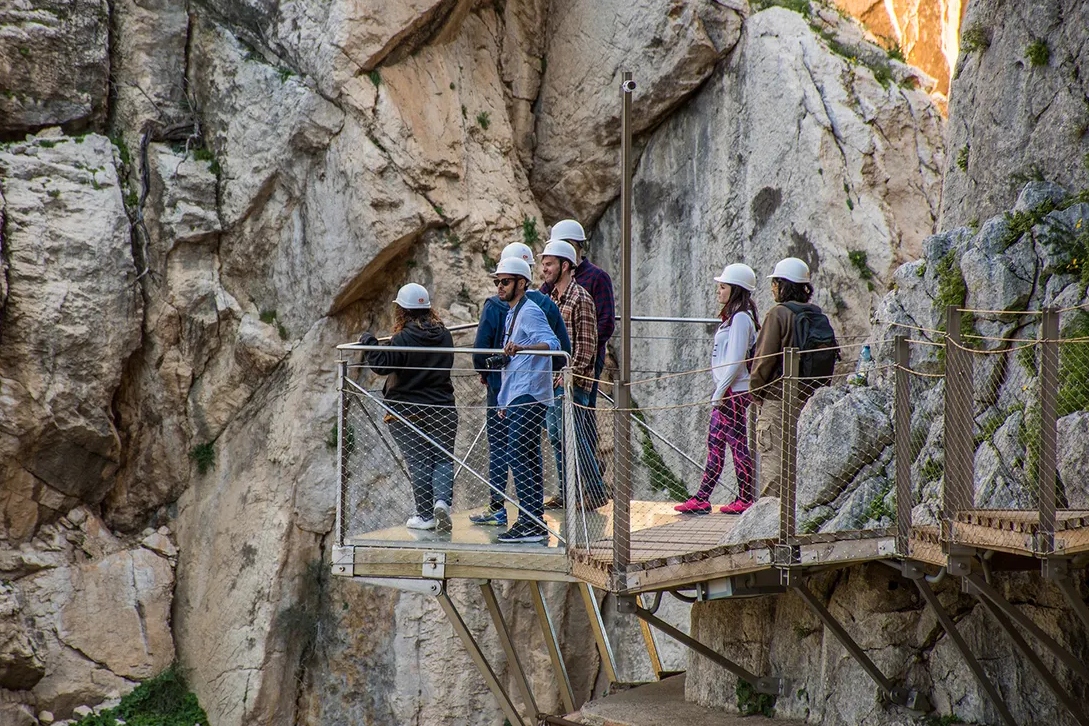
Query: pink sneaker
(737, 506)
(694, 506)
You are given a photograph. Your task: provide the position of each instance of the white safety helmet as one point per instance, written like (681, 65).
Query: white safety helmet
(567, 229)
(519, 250)
(738, 274)
(513, 266)
(561, 248)
(413, 297)
(791, 269)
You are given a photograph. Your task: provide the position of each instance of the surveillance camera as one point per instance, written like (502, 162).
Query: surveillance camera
(628, 86)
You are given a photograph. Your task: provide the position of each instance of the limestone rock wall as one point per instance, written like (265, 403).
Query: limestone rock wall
(259, 177)
(1019, 108)
(886, 616)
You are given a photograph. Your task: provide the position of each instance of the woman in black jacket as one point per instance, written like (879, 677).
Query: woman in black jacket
(422, 419)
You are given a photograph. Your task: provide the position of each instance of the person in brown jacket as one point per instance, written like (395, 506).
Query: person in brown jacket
(789, 283)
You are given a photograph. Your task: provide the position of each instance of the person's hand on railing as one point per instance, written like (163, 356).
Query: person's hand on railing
(367, 338)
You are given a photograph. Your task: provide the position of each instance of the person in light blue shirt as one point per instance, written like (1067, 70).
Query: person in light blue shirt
(524, 396)
(489, 334)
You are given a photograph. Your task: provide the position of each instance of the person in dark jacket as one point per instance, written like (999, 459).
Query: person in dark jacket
(489, 334)
(422, 417)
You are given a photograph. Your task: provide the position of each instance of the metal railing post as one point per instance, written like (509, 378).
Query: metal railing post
(902, 442)
(788, 434)
(570, 486)
(1049, 394)
(342, 478)
(958, 491)
(621, 484)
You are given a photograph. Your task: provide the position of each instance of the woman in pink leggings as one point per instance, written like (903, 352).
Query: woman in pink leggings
(734, 342)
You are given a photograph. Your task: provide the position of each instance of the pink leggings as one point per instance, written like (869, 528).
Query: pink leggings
(728, 429)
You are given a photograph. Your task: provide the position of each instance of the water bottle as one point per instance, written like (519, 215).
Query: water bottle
(862, 370)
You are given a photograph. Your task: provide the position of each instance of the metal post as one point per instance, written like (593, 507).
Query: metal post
(788, 434)
(896, 694)
(652, 647)
(597, 624)
(761, 684)
(950, 628)
(978, 586)
(621, 486)
(958, 492)
(1049, 393)
(902, 440)
(342, 478)
(622, 444)
(513, 661)
(572, 485)
(552, 643)
(1072, 706)
(478, 658)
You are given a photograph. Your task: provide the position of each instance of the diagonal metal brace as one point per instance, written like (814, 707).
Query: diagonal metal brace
(979, 587)
(914, 573)
(1034, 661)
(896, 694)
(761, 684)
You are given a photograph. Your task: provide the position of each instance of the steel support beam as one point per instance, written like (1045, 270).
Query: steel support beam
(478, 658)
(597, 624)
(761, 684)
(552, 643)
(652, 647)
(1072, 706)
(978, 586)
(896, 694)
(500, 623)
(914, 573)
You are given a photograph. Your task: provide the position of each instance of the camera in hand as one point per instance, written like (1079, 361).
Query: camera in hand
(496, 362)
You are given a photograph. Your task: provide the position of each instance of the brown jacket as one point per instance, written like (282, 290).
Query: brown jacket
(776, 333)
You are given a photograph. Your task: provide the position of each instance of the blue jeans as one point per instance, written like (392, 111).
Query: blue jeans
(585, 427)
(498, 465)
(525, 418)
(431, 472)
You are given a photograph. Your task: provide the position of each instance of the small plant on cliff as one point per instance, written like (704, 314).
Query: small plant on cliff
(284, 74)
(204, 456)
(799, 6)
(376, 77)
(751, 703)
(976, 37)
(952, 290)
(1038, 53)
(203, 154)
(160, 701)
(484, 120)
(858, 261)
(962, 158)
(530, 235)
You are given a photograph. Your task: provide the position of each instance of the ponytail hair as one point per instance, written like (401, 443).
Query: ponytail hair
(740, 302)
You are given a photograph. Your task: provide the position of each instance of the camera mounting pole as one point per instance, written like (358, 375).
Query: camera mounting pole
(622, 473)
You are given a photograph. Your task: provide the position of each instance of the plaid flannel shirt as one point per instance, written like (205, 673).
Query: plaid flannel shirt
(579, 315)
(597, 282)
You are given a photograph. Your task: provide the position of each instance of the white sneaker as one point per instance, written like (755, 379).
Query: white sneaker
(418, 522)
(442, 517)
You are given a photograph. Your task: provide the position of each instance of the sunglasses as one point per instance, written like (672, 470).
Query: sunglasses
(500, 282)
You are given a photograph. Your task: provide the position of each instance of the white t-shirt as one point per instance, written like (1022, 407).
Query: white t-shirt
(733, 341)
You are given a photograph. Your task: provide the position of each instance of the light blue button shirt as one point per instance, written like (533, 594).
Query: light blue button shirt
(528, 374)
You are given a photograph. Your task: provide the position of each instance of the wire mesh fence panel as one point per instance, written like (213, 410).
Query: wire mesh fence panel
(844, 463)
(449, 461)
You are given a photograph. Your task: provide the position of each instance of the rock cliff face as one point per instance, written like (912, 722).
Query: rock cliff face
(1020, 106)
(213, 194)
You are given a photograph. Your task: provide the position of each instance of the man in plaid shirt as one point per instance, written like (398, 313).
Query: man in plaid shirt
(558, 262)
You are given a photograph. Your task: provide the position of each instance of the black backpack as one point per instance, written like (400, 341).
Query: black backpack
(813, 335)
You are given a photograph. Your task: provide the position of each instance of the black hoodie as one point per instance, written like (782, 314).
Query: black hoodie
(415, 377)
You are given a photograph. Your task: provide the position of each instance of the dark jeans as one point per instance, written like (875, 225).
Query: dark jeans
(525, 418)
(589, 473)
(498, 465)
(431, 472)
